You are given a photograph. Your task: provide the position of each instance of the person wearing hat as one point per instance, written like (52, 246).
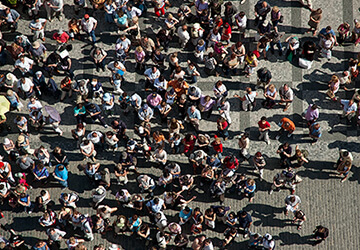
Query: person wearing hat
(88, 24)
(153, 100)
(37, 26)
(268, 242)
(293, 45)
(145, 113)
(61, 37)
(9, 81)
(98, 195)
(38, 52)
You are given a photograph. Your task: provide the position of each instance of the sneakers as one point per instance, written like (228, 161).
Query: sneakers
(242, 1)
(289, 135)
(268, 142)
(277, 137)
(271, 191)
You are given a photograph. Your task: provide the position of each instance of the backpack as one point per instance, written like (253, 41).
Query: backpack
(305, 153)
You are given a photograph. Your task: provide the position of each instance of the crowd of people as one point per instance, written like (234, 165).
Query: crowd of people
(217, 35)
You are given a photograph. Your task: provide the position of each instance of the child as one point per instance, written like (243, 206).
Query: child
(200, 49)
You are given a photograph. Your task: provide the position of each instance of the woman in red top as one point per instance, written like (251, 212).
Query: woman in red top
(264, 128)
(222, 126)
(189, 143)
(226, 33)
(217, 146)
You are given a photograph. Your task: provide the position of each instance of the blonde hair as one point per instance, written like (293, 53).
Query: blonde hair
(276, 9)
(170, 16)
(201, 42)
(139, 49)
(334, 78)
(271, 87)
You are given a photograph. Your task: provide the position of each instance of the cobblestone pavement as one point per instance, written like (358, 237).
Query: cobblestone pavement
(325, 200)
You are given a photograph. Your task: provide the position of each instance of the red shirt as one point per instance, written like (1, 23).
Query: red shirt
(264, 125)
(64, 37)
(217, 147)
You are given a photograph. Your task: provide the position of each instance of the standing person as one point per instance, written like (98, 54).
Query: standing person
(264, 128)
(268, 242)
(286, 96)
(314, 132)
(264, 77)
(286, 124)
(245, 221)
(259, 163)
(311, 114)
(320, 234)
(251, 62)
(248, 100)
(299, 216)
(244, 144)
(98, 55)
(292, 203)
(37, 26)
(275, 17)
(193, 117)
(314, 22)
(61, 175)
(54, 8)
(262, 8)
(89, 24)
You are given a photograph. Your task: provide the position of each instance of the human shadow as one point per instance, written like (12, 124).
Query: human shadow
(288, 238)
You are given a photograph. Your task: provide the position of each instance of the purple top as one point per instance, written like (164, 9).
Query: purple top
(311, 114)
(207, 106)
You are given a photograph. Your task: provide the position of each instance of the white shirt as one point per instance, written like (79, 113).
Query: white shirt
(183, 35)
(24, 65)
(5, 189)
(95, 139)
(88, 25)
(242, 21)
(125, 44)
(37, 25)
(34, 106)
(25, 86)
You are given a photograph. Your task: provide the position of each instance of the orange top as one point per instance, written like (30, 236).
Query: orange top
(291, 127)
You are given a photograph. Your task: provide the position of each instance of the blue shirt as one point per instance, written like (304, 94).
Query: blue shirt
(63, 174)
(324, 32)
(244, 222)
(185, 216)
(42, 173)
(196, 114)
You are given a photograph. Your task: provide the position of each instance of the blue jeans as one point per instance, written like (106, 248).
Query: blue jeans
(223, 133)
(93, 37)
(109, 18)
(63, 183)
(278, 45)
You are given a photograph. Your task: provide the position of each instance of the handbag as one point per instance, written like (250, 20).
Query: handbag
(281, 20)
(330, 93)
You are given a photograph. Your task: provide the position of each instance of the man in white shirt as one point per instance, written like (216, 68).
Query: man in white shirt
(25, 87)
(151, 75)
(132, 11)
(24, 64)
(241, 21)
(88, 24)
(37, 26)
(184, 35)
(124, 42)
(95, 137)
